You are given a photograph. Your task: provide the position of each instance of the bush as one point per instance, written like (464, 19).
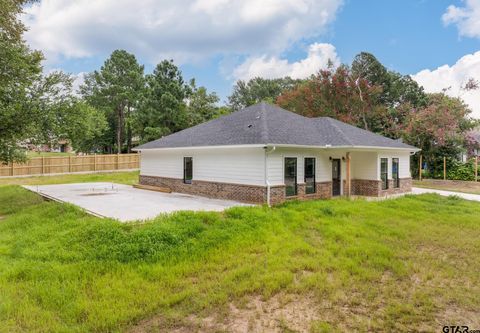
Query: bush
(461, 171)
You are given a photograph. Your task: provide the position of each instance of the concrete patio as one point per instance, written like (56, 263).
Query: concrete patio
(125, 203)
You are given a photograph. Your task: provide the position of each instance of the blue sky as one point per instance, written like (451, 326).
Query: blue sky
(215, 45)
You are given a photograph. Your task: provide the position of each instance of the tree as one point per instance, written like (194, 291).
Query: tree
(116, 89)
(396, 88)
(336, 93)
(257, 90)
(163, 107)
(86, 127)
(440, 128)
(202, 106)
(60, 115)
(19, 69)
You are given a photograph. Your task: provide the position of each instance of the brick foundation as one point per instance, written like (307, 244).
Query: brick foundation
(258, 194)
(237, 192)
(373, 188)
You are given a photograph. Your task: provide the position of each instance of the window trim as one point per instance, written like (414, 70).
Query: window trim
(314, 174)
(396, 180)
(295, 178)
(185, 180)
(384, 183)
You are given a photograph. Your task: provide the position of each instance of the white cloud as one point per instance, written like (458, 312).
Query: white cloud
(185, 30)
(453, 78)
(318, 57)
(466, 18)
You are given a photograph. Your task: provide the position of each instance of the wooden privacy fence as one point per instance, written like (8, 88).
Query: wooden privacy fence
(68, 164)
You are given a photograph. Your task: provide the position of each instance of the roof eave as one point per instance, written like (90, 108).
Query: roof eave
(352, 147)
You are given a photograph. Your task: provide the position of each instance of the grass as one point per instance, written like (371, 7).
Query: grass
(449, 185)
(128, 178)
(409, 264)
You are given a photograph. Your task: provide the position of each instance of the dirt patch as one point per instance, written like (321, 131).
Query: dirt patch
(280, 313)
(2, 217)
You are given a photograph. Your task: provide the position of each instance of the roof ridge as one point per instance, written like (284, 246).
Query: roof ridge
(264, 135)
(334, 125)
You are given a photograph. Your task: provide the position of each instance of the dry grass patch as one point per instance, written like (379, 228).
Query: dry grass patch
(449, 185)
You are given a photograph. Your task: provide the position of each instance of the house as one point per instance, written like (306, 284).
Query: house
(265, 154)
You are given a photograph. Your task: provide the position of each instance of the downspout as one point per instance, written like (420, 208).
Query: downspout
(267, 182)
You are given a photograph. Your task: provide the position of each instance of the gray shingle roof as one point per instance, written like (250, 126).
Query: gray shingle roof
(271, 125)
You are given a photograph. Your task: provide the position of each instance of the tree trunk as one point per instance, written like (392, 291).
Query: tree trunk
(129, 132)
(119, 128)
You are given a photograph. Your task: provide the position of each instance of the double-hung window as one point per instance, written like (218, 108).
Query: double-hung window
(309, 175)
(384, 172)
(187, 170)
(395, 172)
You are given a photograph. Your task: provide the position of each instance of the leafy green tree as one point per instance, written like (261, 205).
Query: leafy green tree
(116, 89)
(396, 88)
(163, 109)
(86, 127)
(60, 114)
(202, 105)
(19, 68)
(257, 90)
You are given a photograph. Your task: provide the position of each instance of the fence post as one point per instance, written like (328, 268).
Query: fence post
(420, 168)
(116, 162)
(12, 169)
(95, 162)
(70, 164)
(476, 168)
(43, 165)
(444, 168)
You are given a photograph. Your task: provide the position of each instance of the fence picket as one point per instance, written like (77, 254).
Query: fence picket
(55, 164)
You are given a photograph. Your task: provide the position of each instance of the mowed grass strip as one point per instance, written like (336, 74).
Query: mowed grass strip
(408, 264)
(128, 178)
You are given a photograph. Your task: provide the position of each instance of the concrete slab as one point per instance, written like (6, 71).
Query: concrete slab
(126, 203)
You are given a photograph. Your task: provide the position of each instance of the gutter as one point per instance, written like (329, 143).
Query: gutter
(267, 182)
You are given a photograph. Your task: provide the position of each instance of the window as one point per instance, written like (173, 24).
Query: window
(395, 172)
(187, 170)
(384, 173)
(309, 175)
(290, 176)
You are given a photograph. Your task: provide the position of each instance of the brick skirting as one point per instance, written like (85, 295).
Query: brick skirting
(258, 194)
(373, 188)
(237, 192)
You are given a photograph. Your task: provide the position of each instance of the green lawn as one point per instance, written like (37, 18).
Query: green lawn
(409, 264)
(116, 177)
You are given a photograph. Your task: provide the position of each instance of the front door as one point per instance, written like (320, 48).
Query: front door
(336, 177)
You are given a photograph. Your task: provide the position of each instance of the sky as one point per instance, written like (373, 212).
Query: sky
(217, 42)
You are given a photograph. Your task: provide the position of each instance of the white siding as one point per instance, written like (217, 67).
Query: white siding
(235, 165)
(323, 170)
(364, 165)
(247, 165)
